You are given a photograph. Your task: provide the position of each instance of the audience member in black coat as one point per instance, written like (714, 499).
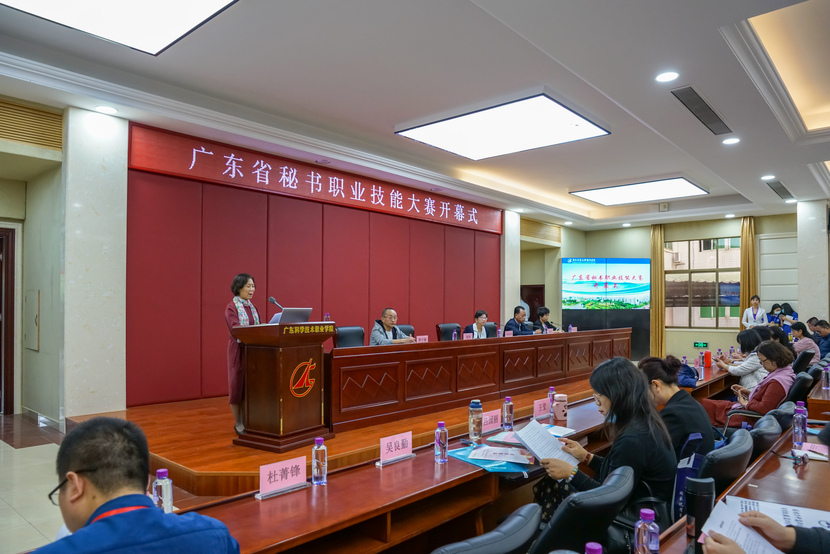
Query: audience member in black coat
(682, 414)
(639, 440)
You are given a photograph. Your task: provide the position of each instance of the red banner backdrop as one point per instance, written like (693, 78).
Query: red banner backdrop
(168, 153)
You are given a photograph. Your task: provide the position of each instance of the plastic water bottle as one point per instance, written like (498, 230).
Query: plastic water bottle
(701, 359)
(319, 462)
(684, 361)
(593, 548)
(731, 351)
(507, 414)
(551, 399)
(441, 441)
(570, 327)
(476, 414)
(799, 428)
(498, 332)
(163, 491)
(720, 353)
(647, 533)
(327, 317)
(455, 334)
(825, 378)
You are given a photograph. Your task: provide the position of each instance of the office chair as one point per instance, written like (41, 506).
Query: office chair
(585, 516)
(764, 434)
(348, 336)
(492, 328)
(817, 369)
(408, 330)
(513, 536)
(728, 462)
(529, 326)
(783, 414)
(802, 361)
(798, 391)
(444, 331)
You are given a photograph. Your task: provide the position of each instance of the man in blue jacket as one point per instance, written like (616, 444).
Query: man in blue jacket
(823, 331)
(517, 323)
(104, 469)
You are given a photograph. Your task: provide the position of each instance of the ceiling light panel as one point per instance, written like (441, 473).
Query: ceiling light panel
(517, 126)
(651, 191)
(149, 26)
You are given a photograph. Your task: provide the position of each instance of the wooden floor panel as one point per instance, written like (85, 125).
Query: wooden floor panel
(193, 440)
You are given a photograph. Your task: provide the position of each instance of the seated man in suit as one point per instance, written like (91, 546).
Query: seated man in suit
(386, 330)
(104, 469)
(517, 323)
(542, 323)
(823, 331)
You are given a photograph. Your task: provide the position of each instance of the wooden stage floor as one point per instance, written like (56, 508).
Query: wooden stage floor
(193, 440)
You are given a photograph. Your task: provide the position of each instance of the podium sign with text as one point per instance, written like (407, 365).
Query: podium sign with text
(285, 396)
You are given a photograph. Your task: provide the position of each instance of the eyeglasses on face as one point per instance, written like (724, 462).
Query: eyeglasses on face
(51, 495)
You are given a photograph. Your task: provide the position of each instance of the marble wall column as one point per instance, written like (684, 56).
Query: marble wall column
(95, 250)
(511, 265)
(813, 260)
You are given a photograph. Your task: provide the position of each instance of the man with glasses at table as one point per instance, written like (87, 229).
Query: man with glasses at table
(386, 330)
(104, 469)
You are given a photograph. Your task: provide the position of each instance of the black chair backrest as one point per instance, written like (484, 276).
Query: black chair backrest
(492, 328)
(529, 326)
(800, 388)
(348, 336)
(585, 516)
(764, 434)
(728, 462)
(408, 330)
(803, 361)
(444, 330)
(815, 372)
(783, 414)
(513, 536)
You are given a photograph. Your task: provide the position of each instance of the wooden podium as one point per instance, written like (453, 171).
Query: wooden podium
(285, 397)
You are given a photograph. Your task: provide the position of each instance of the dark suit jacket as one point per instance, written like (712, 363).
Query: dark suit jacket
(684, 415)
(517, 329)
(544, 326)
(471, 329)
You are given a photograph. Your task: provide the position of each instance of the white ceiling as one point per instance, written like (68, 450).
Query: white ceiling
(332, 79)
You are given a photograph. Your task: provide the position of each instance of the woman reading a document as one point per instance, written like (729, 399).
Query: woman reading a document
(640, 440)
(240, 311)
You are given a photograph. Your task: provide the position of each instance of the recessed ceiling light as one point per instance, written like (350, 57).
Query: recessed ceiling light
(733, 140)
(626, 225)
(150, 27)
(767, 177)
(729, 216)
(511, 127)
(519, 210)
(569, 223)
(790, 201)
(651, 191)
(109, 110)
(667, 76)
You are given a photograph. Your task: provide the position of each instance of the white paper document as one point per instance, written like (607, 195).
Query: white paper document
(558, 431)
(782, 513)
(542, 444)
(501, 455)
(724, 520)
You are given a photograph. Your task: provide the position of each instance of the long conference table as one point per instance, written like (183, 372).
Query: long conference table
(377, 384)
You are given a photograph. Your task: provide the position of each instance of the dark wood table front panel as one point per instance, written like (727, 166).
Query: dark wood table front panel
(377, 384)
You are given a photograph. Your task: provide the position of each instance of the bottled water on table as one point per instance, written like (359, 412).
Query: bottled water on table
(163, 491)
(799, 428)
(441, 440)
(476, 414)
(319, 462)
(507, 414)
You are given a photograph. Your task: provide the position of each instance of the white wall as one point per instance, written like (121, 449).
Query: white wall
(41, 376)
(95, 173)
(12, 199)
(511, 265)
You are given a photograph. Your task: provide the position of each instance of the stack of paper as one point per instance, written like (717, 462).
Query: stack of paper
(542, 444)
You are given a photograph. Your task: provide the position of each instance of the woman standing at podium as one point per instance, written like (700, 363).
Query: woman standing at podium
(240, 311)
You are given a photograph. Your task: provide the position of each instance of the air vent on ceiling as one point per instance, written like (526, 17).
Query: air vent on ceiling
(701, 110)
(779, 189)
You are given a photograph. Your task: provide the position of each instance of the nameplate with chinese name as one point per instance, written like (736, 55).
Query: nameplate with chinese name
(467, 336)
(508, 333)
(395, 448)
(490, 421)
(169, 153)
(282, 477)
(551, 331)
(541, 408)
(422, 338)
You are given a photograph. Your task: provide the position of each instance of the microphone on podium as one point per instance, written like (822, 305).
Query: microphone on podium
(274, 302)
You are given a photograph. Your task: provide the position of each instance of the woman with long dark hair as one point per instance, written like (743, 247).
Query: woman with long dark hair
(804, 341)
(779, 336)
(639, 440)
(681, 413)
